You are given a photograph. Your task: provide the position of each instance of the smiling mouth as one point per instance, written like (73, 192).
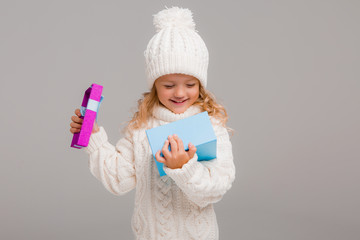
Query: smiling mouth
(178, 102)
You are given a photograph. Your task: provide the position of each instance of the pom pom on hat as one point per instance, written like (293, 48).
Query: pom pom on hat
(174, 17)
(176, 47)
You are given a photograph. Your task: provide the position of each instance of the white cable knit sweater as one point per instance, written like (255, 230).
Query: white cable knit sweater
(177, 205)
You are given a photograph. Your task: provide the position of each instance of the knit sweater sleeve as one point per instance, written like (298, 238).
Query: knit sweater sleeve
(112, 165)
(206, 182)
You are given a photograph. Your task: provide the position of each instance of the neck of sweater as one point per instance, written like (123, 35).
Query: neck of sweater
(164, 114)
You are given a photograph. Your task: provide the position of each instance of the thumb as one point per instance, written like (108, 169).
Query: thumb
(192, 150)
(95, 128)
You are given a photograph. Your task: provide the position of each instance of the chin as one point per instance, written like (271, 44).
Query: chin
(176, 110)
(179, 111)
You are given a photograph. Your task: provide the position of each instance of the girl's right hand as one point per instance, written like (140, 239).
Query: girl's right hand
(77, 123)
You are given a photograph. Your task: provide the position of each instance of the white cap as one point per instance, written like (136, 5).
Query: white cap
(176, 47)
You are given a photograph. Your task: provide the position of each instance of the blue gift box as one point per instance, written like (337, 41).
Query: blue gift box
(196, 129)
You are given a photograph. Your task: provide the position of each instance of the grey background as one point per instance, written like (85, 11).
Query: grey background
(287, 72)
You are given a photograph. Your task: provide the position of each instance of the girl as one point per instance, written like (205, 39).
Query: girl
(178, 205)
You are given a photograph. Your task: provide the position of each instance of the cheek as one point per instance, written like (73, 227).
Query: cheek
(194, 93)
(163, 95)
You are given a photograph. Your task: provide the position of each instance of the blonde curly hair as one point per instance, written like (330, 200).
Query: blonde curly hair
(150, 100)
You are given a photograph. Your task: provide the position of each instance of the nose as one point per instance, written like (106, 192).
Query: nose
(179, 92)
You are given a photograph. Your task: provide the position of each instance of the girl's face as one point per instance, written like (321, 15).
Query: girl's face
(177, 92)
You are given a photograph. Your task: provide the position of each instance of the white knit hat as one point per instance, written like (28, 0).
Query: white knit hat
(176, 47)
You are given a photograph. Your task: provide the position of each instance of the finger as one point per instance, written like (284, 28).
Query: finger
(179, 143)
(165, 150)
(159, 158)
(74, 130)
(77, 119)
(192, 150)
(77, 112)
(75, 125)
(173, 145)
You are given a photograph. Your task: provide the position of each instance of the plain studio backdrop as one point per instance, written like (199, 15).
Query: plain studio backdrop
(288, 72)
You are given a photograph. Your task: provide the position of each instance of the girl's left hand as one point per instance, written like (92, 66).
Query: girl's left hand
(178, 156)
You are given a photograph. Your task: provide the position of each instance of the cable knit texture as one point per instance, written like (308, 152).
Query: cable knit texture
(176, 47)
(178, 205)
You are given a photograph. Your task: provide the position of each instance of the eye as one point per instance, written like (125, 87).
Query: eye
(169, 86)
(190, 85)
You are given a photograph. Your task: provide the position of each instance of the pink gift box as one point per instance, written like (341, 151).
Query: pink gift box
(90, 104)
